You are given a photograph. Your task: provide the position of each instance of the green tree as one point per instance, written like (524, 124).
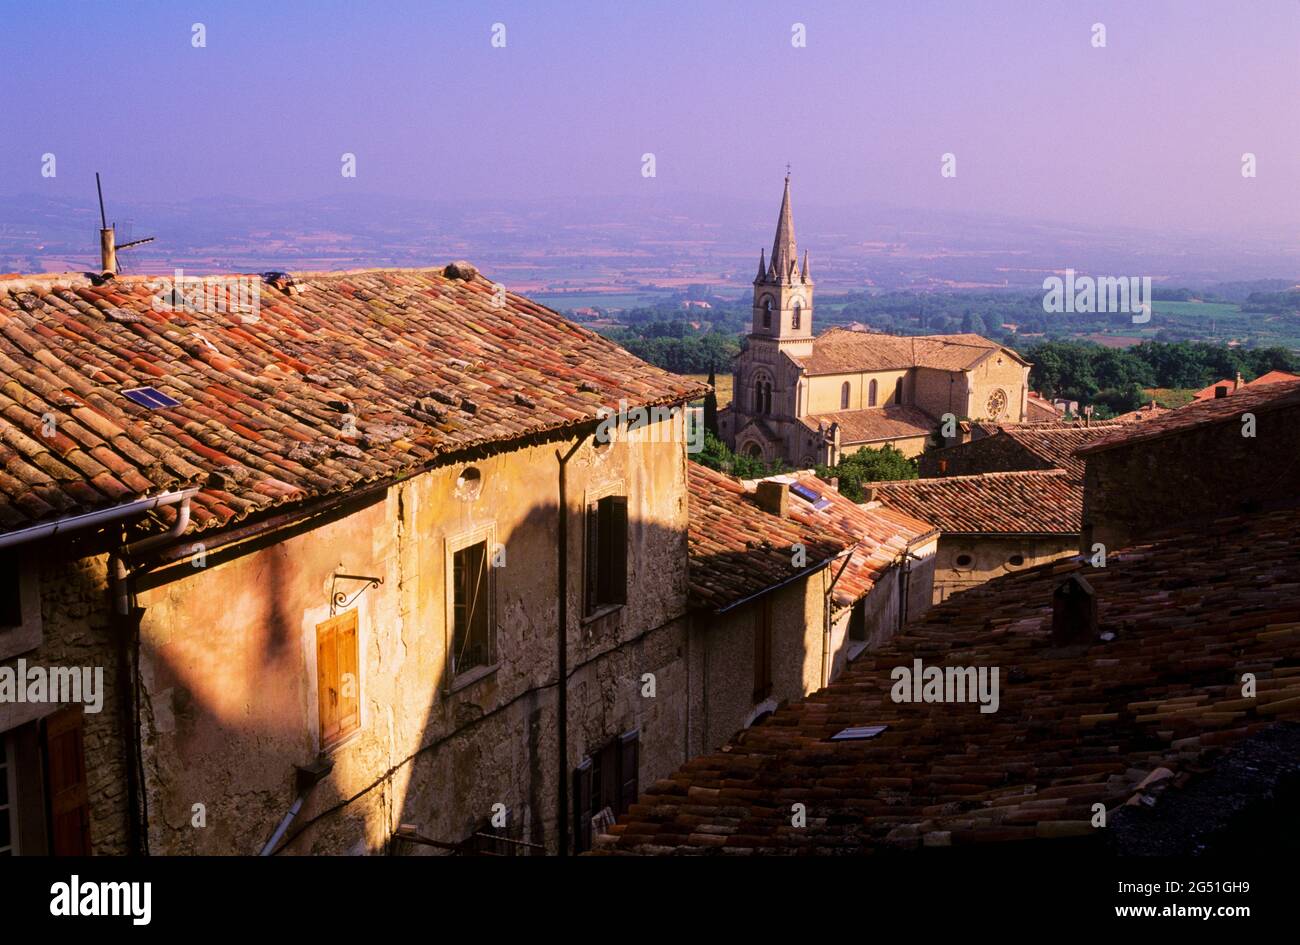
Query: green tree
(868, 465)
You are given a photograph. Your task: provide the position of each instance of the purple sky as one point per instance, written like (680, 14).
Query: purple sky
(1148, 131)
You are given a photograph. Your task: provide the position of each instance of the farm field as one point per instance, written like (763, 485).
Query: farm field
(722, 383)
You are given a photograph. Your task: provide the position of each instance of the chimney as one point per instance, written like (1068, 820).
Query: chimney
(1221, 391)
(773, 497)
(1074, 611)
(868, 494)
(107, 251)
(1237, 384)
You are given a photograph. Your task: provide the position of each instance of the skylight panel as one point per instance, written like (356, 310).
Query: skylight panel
(858, 733)
(150, 397)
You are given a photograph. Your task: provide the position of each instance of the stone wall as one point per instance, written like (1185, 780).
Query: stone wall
(1202, 473)
(76, 631)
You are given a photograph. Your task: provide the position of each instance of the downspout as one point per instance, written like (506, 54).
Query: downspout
(562, 650)
(847, 554)
(127, 639)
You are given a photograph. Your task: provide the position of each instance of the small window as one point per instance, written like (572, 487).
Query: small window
(1016, 560)
(844, 395)
(471, 644)
(11, 591)
(767, 313)
(763, 651)
(898, 391)
(872, 393)
(606, 552)
(338, 680)
(964, 561)
(797, 316)
(469, 483)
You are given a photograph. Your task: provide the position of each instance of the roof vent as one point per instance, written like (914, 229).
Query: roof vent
(1074, 611)
(150, 397)
(460, 269)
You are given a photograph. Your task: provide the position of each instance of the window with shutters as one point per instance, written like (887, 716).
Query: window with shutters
(471, 639)
(65, 779)
(762, 650)
(606, 553)
(338, 678)
(605, 786)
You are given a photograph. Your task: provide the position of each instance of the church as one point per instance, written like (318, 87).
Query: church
(810, 400)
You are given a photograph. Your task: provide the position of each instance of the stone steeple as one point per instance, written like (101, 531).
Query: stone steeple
(785, 255)
(782, 290)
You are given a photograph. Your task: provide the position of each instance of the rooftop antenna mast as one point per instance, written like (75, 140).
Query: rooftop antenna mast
(107, 241)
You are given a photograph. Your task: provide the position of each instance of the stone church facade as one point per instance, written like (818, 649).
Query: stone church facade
(811, 400)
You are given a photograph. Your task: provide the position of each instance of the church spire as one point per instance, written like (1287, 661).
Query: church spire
(785, 255)
(762, 264)
(806, 274)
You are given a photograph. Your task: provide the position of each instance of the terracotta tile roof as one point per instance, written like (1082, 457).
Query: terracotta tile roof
(423, 364)
(1263, 399)
(1055, 445)
(875, 423)
(1272, 377)
(1148, 411)
(840, 350)
(1093, 722)
(1037, 502)
(738, 549)
(878, 536)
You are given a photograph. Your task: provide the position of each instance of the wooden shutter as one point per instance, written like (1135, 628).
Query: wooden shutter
(349, 675)
(582, 809)
(608, 777)
(617, 557)
(629, 769)
(592, 577)
(338, 677)
(65, 776)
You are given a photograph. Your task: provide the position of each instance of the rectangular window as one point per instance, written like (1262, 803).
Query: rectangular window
(605, 786)
(471, 644)
(338, 680)
(11, 591)
(606, 566)
(763, 651)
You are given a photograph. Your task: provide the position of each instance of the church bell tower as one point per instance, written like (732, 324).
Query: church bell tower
(783, 291)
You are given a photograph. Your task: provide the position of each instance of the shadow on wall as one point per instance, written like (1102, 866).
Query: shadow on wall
(231, 700)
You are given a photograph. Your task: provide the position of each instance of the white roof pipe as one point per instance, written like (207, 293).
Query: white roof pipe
(100, 517)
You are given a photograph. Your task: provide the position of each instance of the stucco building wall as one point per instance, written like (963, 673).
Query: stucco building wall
(228, 654)
(991, 556)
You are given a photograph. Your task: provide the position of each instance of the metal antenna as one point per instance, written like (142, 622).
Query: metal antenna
(103, 221)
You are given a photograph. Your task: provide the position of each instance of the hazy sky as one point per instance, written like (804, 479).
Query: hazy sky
(1148, 131)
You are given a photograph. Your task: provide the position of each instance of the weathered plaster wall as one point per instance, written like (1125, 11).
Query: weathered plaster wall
(229, 662)
(76, 632)
(990, 558)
